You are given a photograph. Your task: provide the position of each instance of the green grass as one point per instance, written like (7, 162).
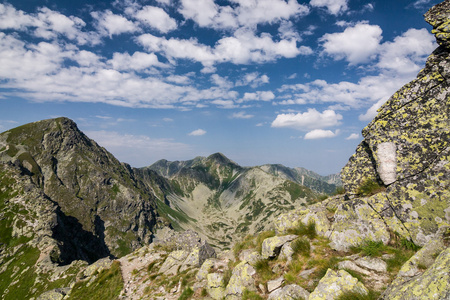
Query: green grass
(247, 243)
(261, 237)
(301, 246)
(250, 295)
(357, 296)
(301, 229)
(187, 293)
(264, 270)
(369, 187)
(107, 285)
(370, 248)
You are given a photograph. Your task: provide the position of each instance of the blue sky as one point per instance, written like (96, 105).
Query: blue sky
(262, 81)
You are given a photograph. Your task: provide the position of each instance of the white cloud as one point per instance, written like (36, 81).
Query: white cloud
(355, 44)
(242, 48)
(47, 24)
(241, 115)
(353, 136)
(197, 132)
(253, 79)
(138, 61)
(179, 79)
(111, 24)
(311, 119)
(221, 81)
(407, 52)
(167, 119)
(244, 13)
(224, 103)
(157, 18)
(334, 7)
(259, 96)
(320, 134)
(139, 150)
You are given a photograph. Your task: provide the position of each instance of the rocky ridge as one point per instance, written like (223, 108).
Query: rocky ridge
(224, 201)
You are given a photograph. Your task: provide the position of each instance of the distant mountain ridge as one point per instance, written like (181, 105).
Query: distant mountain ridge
(322, 184)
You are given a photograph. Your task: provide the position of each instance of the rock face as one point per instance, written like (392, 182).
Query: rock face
(406, 147)
(94, 206)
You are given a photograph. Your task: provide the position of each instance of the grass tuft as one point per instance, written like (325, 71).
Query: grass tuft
(301, 246)
(370, 187)
(301, 229)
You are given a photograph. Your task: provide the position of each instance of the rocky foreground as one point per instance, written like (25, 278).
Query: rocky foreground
(385, 237)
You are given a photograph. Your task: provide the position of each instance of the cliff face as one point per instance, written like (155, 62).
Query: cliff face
(95, 206)
(406, 147)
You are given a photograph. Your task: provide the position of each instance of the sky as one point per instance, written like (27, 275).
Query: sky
(261, 81)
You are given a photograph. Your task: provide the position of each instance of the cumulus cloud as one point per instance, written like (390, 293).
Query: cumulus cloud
(46, 24)
(244, 47)
(334, 7)
(356, 44)
(241, 115)
(311, 119)
(197, 132)
(206, 13)
(138, 61)
(259, 96)
(353, 136)
(253, 79)
(111, 24)
(407, 52)
(320, 134)
(156, 18)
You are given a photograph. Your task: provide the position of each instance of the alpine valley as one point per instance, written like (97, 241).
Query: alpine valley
(75, 223)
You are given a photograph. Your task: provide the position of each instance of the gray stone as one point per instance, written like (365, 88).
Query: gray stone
(275, 284)
(372, 263)
(289, 292)
(271, 246)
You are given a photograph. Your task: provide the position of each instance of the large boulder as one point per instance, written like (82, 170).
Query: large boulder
(241, 279)
(271, 246)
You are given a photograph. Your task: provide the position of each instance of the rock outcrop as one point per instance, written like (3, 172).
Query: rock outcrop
(406, 149)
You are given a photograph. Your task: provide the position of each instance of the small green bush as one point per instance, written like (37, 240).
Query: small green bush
(339, 191)
(263, 269)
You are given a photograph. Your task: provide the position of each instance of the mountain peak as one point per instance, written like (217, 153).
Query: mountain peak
(220, 159)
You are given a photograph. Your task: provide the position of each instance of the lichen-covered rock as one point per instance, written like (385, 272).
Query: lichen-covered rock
(250, 256)
(56, 294)
(271, 246)
(335, 283)
(101, 264)
(432, 284)
(407, 146)
(215, 286)
(314, 213)
(354, 222)
(286, 252)
(173, 262)
(241, 279)
(289, 292)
